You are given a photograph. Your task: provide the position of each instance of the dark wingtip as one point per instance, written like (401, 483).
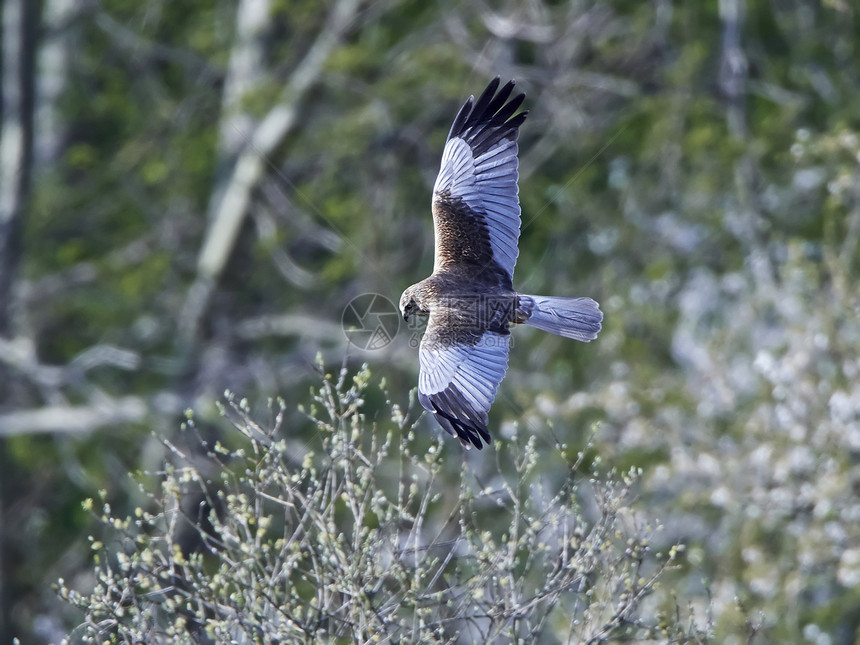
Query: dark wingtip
(469, 434)
(490, 117)
(473, 441)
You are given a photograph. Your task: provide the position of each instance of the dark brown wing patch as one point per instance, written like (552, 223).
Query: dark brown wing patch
(463, 238)
(476, 211)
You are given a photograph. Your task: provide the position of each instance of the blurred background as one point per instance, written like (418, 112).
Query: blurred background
(192, 192)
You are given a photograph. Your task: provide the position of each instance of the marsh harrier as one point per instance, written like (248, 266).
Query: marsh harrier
(470, 296)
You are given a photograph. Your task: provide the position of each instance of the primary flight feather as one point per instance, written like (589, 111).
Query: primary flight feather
(469, 298)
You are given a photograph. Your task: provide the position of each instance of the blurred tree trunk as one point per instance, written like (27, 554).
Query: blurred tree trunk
(245, 73)
(16, 152)
(232, 197)
(16, 140)
(53, 59)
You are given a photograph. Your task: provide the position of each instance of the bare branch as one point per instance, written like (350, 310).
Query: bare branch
(290, 325)
(20, 355)
(287, 267)
(63, 419)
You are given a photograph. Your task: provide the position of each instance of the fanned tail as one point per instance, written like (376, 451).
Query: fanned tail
(577, 318)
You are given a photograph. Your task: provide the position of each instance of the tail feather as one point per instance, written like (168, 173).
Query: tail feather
(577, 318)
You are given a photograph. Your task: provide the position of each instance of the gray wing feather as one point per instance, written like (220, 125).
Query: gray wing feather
(458, 381)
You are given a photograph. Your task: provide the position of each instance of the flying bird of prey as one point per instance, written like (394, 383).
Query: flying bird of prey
(470, 298)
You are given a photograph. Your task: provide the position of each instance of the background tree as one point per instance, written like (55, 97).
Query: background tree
(209, 183)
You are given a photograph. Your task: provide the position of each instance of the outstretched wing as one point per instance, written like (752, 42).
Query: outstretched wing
(460, 372)
(476, 211)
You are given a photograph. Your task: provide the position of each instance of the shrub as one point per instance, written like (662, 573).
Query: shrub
(367, 541)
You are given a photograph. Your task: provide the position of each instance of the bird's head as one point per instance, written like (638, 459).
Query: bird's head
(407, 303)
(413, 302)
